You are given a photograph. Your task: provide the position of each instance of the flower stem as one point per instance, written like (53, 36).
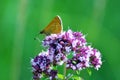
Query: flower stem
(64, 71)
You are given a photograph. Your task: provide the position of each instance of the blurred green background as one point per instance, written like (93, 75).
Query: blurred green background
(21, 20)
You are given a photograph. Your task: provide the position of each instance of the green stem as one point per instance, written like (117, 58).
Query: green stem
(64, 71)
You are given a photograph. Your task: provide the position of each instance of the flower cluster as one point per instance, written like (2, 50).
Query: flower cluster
(85, 57)
(59, 46)
(42, 65)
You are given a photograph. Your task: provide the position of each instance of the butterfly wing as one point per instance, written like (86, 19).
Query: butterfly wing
(54, 27)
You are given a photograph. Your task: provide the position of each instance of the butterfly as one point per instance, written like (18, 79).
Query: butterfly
(54, 27)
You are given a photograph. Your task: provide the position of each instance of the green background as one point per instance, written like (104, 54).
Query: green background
(21, 21)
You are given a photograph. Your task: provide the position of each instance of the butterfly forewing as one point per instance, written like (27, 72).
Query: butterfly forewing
(54, 27)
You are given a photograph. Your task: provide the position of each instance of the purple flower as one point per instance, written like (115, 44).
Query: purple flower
(85, 57)
(40, 64)
(95, 59)
(53, 74)
(58, 47)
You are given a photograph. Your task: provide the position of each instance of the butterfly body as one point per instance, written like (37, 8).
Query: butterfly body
(54, 27)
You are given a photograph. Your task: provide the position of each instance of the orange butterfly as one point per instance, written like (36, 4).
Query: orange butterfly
(54, 27)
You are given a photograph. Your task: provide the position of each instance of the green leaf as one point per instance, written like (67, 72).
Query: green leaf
(74, 62)
(76, 78)
(89, 72)
(78, 72)
(69, 76)
(60, 76)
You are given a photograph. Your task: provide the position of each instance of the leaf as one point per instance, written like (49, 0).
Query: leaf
(69, 76)
(60, 76)
(76, 78)
(78, 72)
(74, 62)
(89, 72)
